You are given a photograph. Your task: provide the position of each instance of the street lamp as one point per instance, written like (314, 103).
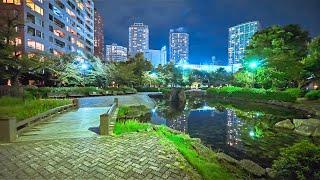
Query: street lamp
(253, 65)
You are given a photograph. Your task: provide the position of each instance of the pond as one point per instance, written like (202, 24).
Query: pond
(241, 130)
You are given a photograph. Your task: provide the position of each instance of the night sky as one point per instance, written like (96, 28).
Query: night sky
(207, 21)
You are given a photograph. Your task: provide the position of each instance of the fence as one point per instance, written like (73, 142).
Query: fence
(11, 91)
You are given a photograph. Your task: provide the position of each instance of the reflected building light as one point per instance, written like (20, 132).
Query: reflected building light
(233, 129)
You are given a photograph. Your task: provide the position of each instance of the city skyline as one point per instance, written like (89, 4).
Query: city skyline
(207, 23)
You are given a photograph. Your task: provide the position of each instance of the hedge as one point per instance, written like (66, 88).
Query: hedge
(313, 95)
(252, 94)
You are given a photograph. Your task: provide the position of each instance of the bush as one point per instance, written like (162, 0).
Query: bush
(252, 94)
(43, 91)
(23, 109)
(147, 89)
(313, 95)
(300, 161)
(296, 92)
(130, 126)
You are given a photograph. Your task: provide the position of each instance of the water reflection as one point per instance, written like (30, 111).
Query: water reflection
(235, 131)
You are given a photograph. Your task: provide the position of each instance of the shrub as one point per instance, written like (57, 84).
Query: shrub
(300, 161)
(43, 91)
(313, 95)
(252, 94)
(130, 126)
(147, 89)
(296, 92)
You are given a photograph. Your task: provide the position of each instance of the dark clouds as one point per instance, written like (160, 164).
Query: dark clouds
(207, 21)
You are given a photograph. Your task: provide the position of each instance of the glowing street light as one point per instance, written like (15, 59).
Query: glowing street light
(253, 65)
(84, 66)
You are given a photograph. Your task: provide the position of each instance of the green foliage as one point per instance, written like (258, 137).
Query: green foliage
(206, 164)
(131, 111)
(313, 95)
(170, 75)
(312, 61)
(296, 92)
(300, 161)
(251, 94)
(283, 49)
(130, 126)
(23, 109)
(220, 77)
(43, 92)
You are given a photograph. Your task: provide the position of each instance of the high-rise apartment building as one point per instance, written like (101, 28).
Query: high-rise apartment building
(154, 56)
(115, 53)
(99, 48)
(55, 26)
(163, 55)
(239, 38)
(138, 38)
(178, 45)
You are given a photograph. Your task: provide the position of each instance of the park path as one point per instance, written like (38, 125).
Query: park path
(132, 156)
(82, 122)
(68, 147)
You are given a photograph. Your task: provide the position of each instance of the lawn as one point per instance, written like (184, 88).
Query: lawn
(23, 109)
(204, 161)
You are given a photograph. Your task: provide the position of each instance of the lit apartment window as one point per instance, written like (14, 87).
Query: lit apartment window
(16, 2)
(58, 33)
(35, 45)
(34, 7)
(79, 44)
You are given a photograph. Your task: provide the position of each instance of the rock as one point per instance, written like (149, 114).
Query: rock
(177, 95)
(286, 124)
(224, 157)
(252, 168)
(308, 122)
(298, 122)
(305, 130)
(316, 132)
(271, 173)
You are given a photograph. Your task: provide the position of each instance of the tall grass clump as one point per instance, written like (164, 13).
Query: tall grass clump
(128, 126)
(23, 109)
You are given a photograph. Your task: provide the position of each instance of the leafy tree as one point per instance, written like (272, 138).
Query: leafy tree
(283, 49)
(312, 61)
(140, 65)
(243, 78)
(220, 77)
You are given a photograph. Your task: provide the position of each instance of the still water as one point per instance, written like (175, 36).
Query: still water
(244, 131)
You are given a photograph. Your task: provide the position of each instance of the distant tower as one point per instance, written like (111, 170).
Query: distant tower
(239, 39)
(115, 53)
(213, 59)
(163, 55)
(99, 48)
(178, 45)
(138, 38)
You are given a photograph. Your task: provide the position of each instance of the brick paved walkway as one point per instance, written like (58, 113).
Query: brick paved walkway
(133, 156)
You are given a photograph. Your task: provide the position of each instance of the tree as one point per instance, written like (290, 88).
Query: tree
(312, 61)
(283, 49)
(14, 64)
(140, 66)
(220, 77)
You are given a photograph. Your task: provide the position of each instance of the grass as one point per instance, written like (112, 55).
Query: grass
(23, 109)
(202, 159)
(130, 126)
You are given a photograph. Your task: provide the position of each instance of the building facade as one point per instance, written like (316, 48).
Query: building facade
(55, 26)
(115, 53)
(99, 48)
(138, 38)
(178, 46)
(239, 39)
(154, 56)
(163, 56)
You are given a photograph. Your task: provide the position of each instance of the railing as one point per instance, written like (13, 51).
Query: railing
(10, 128)
(107, 120)
(23, 125)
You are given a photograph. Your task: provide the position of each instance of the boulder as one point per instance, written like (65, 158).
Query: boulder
(305, 130)
(252, 168)
(226, 158)
(316, 132)
(271, 173)
(177, 95)
(286, 124)
(308, 122)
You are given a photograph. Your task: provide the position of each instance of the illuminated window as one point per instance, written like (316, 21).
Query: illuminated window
(34, 7)
(79, 44)
(16, 2)
(35, 45)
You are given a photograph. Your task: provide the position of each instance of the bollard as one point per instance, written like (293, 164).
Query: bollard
(8, 129)
(116, 101)
(104, 124)
(75, 102)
